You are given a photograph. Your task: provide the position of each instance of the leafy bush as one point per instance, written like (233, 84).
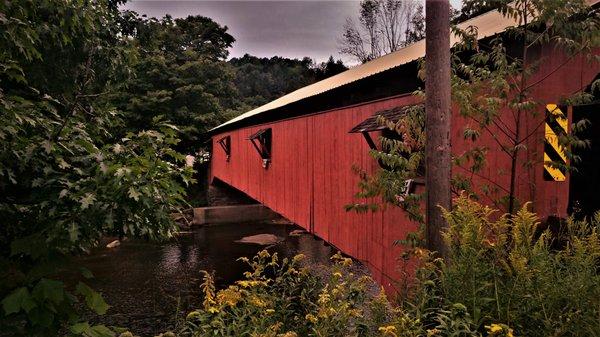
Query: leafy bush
(68, 174)
(504, 277)
(284, 298)
(507, 269)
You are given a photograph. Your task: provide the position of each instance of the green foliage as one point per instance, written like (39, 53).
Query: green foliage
(68, 174)
(283, 298)
(401, 158)
(471, 9)
(181, 74)
(504, 276)
(494, 85)
(512, 270)
(261, 80)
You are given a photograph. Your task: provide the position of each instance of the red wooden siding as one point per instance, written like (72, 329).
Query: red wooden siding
(311, 169)
(310, 177)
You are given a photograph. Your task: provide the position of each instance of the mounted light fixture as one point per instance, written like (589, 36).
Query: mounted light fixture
(225, 143)
(261, 140)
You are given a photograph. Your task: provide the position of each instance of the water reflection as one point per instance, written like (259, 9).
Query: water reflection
(149, 284)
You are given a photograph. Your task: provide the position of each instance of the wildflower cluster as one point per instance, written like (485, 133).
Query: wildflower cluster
(501, 268)
(282, 298)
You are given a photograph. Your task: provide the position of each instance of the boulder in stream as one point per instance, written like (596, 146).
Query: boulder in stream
(297, 232)
(114, 244)
(261, 239)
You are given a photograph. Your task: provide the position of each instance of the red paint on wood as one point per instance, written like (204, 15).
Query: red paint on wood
(310, 177)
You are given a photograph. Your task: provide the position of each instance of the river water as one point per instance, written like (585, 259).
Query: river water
(150, 285)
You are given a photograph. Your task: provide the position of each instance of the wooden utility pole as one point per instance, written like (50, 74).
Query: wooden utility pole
(437, 109)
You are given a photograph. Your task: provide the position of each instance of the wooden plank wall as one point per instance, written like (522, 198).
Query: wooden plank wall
(310, 178)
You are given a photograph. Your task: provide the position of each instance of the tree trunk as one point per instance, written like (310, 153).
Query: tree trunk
(437, 109)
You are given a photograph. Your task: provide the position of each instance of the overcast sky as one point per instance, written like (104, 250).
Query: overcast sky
(266, 28)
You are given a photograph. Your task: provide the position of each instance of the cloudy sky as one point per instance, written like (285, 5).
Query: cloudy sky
(265, 28)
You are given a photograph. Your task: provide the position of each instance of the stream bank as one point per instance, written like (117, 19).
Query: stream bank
(150, 286)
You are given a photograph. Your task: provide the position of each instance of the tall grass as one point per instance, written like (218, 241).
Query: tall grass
(504, 277)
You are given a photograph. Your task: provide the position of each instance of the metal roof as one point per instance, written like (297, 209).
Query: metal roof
(488, 24)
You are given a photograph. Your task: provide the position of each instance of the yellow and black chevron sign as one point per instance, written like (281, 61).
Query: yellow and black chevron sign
(555, 158)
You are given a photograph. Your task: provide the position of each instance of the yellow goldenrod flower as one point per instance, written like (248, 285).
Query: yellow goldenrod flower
(250, 283)
(263, 254)
(298, 258)
(243, 284)
(230, 296)
(288, 334)
(323, 296)
(495, 328)
(432, 332)
(323, 313)
(389, 330)
(356, 312)
(499, 330)
(311, 318)
(257, 302)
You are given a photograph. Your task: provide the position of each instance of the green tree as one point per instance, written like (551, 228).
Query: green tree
(471, 9)
(329, 68)
(68, 175)
(261, 80)
(181, 75)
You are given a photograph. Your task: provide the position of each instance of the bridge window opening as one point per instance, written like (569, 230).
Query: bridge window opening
(381, 121)
(225, 144)
(261, 140)
(585, 179)
(380, 124)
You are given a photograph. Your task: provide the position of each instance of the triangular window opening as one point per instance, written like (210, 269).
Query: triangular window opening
(225, 143)
(261, 140)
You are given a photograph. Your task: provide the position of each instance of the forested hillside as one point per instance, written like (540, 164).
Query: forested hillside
(182, 74)
(261, 80)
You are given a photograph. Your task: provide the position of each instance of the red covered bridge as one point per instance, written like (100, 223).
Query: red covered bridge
(295, 154)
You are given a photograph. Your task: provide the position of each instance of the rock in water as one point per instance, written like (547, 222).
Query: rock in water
(114, 244)
(297, 232)
(261, 239)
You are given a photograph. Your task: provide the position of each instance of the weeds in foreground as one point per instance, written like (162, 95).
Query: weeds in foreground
(505, 277)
